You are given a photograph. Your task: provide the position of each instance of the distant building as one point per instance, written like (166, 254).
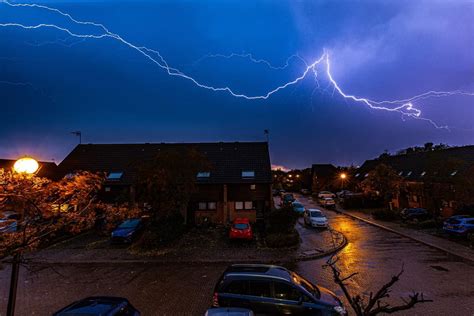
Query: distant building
(322, 176)
(45, 170)
(238, 184)
(431, 179)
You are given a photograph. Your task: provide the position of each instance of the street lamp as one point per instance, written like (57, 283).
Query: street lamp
(26, 165)
(343, 177)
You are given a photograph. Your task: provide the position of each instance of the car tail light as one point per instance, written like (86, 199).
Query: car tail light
(215, 300)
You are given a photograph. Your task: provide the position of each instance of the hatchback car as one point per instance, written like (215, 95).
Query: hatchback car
(326, 194)
(414, 214)
(273, 290)
(298, 207)
(287, 198)
(327, 202)
(315, 218)
(459, 226)
(100, 305)
(241, 229)
(127, 231)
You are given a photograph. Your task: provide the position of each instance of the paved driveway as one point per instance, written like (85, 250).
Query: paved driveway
(376, 254)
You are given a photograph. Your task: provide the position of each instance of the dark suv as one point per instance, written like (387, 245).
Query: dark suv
(273, 290)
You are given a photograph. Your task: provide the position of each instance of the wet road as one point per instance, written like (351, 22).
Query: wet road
(378, 254)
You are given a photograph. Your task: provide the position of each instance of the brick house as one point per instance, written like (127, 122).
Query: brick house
(431, 178)
(238, 183)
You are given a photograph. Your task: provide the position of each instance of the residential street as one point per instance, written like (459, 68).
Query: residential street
(377, 254)
(162, 288)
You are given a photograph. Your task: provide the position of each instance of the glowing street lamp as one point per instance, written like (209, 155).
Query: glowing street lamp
(26, 165)
(343, 176)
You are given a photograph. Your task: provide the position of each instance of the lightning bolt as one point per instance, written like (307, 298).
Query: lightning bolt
(404, 107)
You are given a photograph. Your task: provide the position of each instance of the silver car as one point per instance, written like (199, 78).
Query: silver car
(315, 218)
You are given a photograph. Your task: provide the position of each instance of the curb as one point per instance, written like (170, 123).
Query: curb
(461, 257)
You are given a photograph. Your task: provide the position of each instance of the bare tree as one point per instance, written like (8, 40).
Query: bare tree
(375, 303)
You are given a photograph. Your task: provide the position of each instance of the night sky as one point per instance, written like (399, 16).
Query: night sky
(52, 83)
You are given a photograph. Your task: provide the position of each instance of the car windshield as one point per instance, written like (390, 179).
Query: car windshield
(131, 223)
(316, 214)
(308, 286)
(241, 226)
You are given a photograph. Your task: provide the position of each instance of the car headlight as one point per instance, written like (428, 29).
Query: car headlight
(340, 310)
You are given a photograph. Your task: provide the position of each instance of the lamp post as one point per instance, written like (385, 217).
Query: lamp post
(343, 177)
(27, 166)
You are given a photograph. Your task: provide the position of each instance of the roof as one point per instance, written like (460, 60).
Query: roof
(258, 270)
(46, 169)
(228, 160)
(323, 170)
(420, 165)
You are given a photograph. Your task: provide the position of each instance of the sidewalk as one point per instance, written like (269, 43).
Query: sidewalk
(464, 253)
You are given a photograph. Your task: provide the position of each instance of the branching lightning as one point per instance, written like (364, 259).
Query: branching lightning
(405, 107)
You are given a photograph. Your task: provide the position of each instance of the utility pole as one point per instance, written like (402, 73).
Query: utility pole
(78, 134)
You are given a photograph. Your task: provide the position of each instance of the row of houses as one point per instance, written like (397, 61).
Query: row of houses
(237, 183)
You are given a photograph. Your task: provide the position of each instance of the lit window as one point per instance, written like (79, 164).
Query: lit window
(423, 173)
(202, 205)
(252, 187)
(212, 205)
(204, 174)
(248, 174)
(115, 175)
(248, 205)
(107, 189)
(239, 205)
(454, 173)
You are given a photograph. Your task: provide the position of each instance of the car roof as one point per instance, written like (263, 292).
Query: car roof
(315, 209)
(94, 305)
(258, 270)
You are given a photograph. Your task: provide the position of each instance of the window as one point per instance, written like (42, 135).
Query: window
(248, 205)
(202, 205)
(409, 173)
(211, 205)
(357, 174)
(107, 189)
(238, 287)
(248, 174)
(252, 187)
(454, 173)
(259, 288)
(366, 175)
(423, 173)
(204, 174)
(239, 205)
(115, 175)
(285, 291)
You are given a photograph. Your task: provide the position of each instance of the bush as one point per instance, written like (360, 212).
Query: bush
(283, 240)
(162, 232)
(282, 220)
(384, 215)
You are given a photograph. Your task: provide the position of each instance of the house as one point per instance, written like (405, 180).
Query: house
(438, 180)
(45, 170)
(238, 183)
(322, 176)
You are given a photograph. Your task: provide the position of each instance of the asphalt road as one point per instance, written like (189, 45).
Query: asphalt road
(378, 254)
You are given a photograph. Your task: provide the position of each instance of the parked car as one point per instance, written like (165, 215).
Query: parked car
(8, 221)
(327, 202)
(305, 191)
(342, 194)
(127, 231)
(298, 207)
(273, 290)
(414, 214)
(287, 198)
(275, 192)
(459, 225)
(241, 229)
(315, 218)
(326, 194)
(100, 305)
(229, 311)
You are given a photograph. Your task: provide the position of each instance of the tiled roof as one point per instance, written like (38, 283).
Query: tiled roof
(419, 165)
(228, 160)
(46, 169)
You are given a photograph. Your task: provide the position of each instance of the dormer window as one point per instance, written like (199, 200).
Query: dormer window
(423, 173)
(357, 175)
(115, 176)
(400, 173)
(203, 174)
(248, 174)
(454, 173)
(366, 175)
(409, 173)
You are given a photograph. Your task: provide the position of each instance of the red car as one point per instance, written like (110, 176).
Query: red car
(241, 229)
